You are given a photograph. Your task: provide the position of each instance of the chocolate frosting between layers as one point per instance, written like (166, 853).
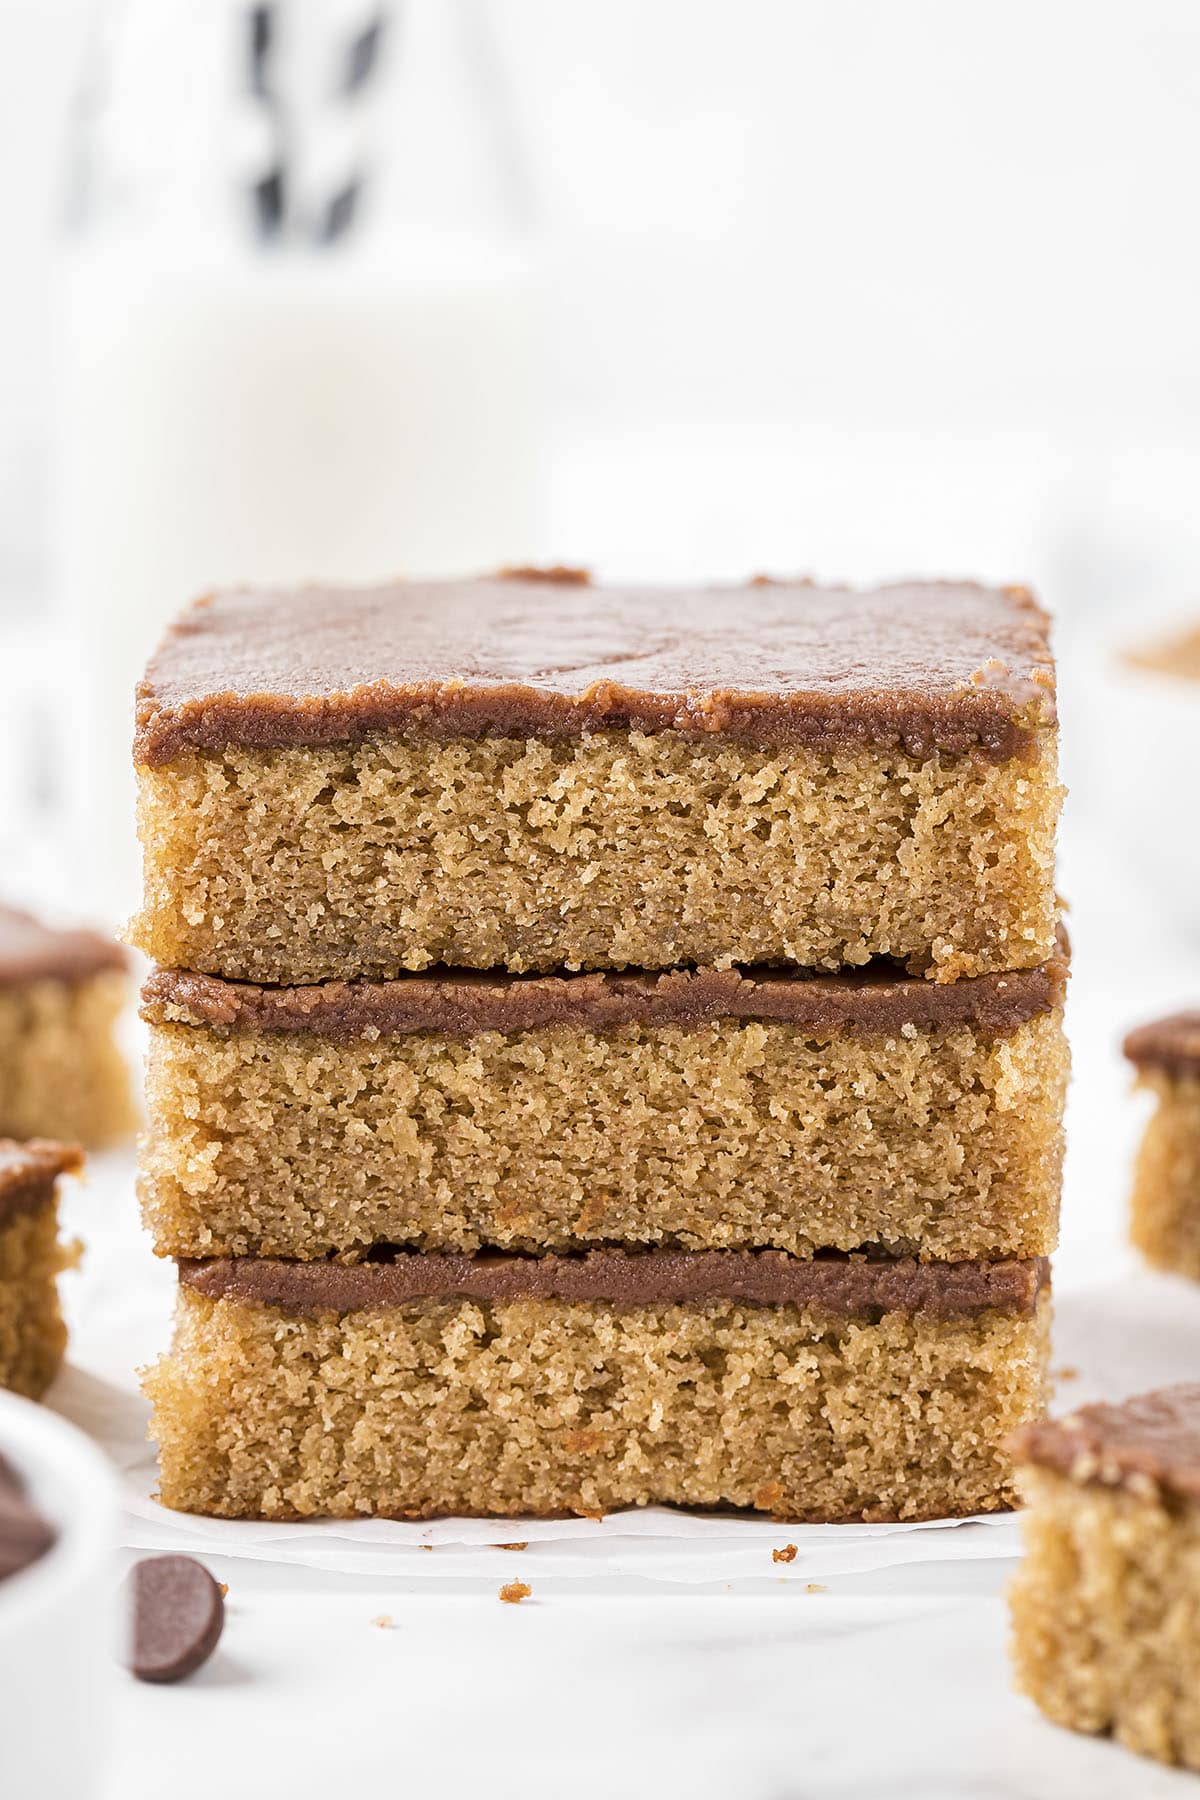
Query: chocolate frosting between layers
(1171, 1044)
(461, 1003)
(31, 951)
(930, 666)
(28, 1172)
(1155, 1436)
(841, 1286)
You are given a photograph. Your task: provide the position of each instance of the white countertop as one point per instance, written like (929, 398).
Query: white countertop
(888, 1685)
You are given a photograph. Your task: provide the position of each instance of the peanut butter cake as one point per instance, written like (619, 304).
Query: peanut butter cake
(32, 1333)
(415, 1385)
(529, 773)
(706, 1110)
(1165, 1211)
(61, 1074)
(1106, 1607)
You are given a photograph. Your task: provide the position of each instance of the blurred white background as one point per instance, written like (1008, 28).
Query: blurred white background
(881, 287)
(866, 285)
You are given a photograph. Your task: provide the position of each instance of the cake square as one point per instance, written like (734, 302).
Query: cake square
(61, 1073)
(32, 1333)
(1106, 1606)
(1165, 1208)
(698, 1110)
(532, 773)
(421, 1385)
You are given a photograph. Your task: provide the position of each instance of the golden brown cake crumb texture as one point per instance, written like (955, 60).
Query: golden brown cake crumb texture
(542, 1406)
(619, 850)
(942, 1144)
(1106, 1613)
(32, 1334)
(1165, 1212)
(61, 1073)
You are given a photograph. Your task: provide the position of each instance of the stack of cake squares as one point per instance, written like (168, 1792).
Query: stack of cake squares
(606, 1046)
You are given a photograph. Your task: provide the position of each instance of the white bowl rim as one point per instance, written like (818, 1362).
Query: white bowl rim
(72, 1482)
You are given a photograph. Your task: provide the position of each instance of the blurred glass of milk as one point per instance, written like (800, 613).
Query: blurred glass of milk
(296, 335)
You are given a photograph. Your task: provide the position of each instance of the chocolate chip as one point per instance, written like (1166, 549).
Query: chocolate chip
(178, 1612)
(24, 1534)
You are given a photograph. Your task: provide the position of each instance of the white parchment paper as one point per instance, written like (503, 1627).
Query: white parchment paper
(1127, 1333)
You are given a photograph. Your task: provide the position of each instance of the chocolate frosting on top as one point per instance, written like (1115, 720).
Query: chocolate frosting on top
(31, 951)
(1171, 1044)
(461, 1003)
(29, 1170)
(1155, 1437)
(928, 665)
(843, 1286)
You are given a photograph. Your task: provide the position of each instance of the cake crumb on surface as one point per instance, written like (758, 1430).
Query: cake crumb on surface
(384, 1621)
(517, 1546)
(513, 1592)
(786, 1555)
(815, 1587)
(1068, 1372)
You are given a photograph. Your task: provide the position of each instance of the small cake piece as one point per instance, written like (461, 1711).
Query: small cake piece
(812, 1390)
(707, 1110)
(1165, 1211)
(529, 773)
(32, 1333)
(1106, 1606)
(61, 1073)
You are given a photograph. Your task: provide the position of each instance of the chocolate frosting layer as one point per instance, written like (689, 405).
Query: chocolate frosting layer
(461, 1003)
(31, 951)
(927, 665)
(28, 1172)
(1171, 1044)
(1155, 1436)
(844, 1287)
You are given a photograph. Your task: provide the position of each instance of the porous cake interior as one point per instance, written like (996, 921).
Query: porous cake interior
(942, 1144)
(542, 1406)
(1165, 1216)
(61, 1073)
(32, 1333)
(617, 850)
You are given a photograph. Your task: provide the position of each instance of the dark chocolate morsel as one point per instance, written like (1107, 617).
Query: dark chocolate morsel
(178, 1611)
(24, 1533)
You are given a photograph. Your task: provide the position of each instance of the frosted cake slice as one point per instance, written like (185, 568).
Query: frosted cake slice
(699, 1110)
(531, 773)
(1106, 1606)
(415, 1385)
